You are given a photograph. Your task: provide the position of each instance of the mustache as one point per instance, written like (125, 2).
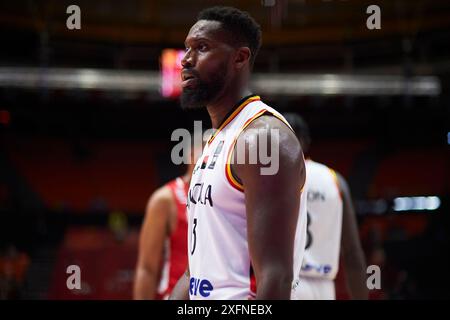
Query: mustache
(191, 72)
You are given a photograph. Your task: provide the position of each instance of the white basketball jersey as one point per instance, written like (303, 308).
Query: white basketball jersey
(324, 222)
(219, 259)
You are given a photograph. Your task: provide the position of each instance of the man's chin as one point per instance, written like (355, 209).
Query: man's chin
(191, 99)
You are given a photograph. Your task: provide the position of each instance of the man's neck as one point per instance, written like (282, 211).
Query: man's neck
(220, 108)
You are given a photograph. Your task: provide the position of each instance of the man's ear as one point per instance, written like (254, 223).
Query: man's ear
(243, 55)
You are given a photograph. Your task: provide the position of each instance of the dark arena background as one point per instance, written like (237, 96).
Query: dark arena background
(86, 117)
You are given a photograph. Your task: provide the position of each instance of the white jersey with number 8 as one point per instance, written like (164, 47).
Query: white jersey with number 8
(324, 222)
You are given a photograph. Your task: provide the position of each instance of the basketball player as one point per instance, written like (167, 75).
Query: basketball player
(162, 256)
(241, 221)
(330, 214)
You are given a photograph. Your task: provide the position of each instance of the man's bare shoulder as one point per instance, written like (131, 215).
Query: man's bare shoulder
(268, 121)
(162, 195)
(270, 127)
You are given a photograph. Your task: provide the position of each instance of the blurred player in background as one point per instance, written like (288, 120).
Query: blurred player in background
(162, 257)
(331, 226)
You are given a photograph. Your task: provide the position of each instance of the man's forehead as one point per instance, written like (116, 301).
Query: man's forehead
(207, 29)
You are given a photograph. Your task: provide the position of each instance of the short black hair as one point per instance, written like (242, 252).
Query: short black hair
(300, 128)
(242, 27)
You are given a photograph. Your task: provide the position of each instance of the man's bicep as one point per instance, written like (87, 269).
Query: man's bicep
(350, 235)
(272, 203)
(154, 229)
(353, 255)
(272, 218)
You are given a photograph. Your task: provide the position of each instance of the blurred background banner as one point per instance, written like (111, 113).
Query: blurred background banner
(170, 72)
(275, 84)
(86, 117)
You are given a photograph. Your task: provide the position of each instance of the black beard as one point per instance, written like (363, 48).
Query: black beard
(195, 98)
(203, 93)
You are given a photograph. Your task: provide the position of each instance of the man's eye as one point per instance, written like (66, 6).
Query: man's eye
(202, 47)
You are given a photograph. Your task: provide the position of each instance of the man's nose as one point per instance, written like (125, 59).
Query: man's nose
(187, 61)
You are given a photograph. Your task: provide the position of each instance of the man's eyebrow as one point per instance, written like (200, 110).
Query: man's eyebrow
(197, 40)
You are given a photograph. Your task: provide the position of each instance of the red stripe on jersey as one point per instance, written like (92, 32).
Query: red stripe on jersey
(252, 283)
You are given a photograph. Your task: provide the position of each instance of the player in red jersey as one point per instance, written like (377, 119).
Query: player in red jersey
(162, 257)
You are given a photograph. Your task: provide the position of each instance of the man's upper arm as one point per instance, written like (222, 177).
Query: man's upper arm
(350, 234)
(353, 255)
(155, 229)
(272, 200)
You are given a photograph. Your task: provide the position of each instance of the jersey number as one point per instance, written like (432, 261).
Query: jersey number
(194, 237)
(309, 237)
